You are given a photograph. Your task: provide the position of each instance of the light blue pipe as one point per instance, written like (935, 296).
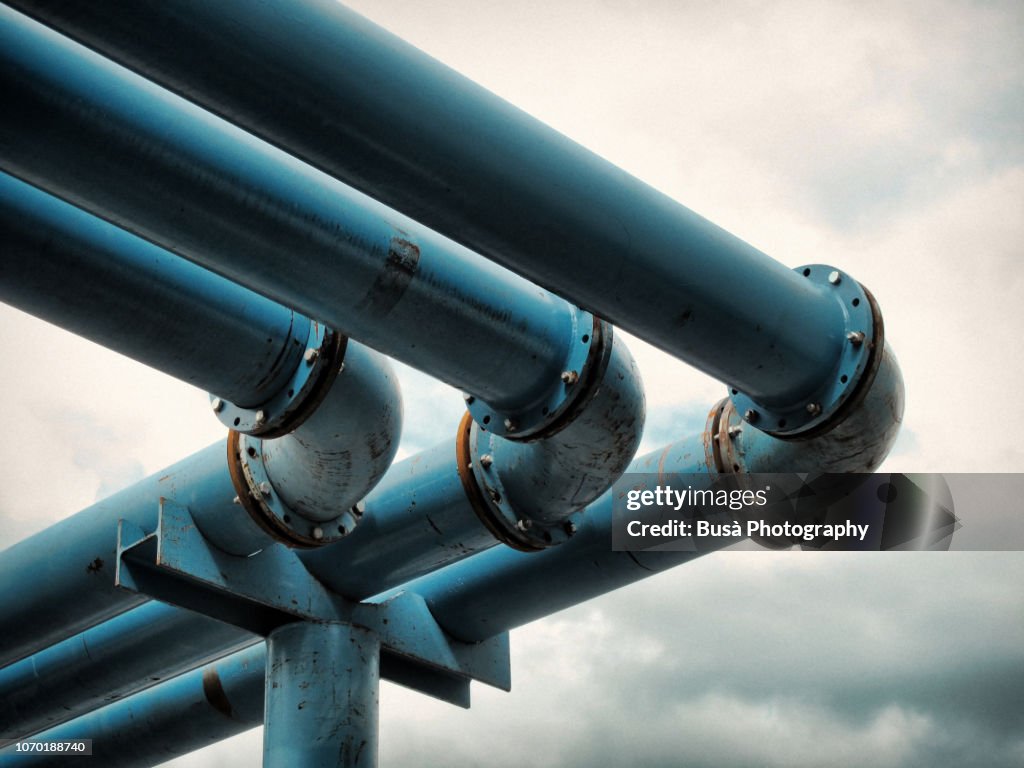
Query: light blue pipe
(500, 589)
(356, 101)
(98, 666)
(191, 711)
(71, 564)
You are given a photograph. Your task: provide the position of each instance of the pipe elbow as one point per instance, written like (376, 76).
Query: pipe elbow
(303, 489)
(857, 441)
(526, 490)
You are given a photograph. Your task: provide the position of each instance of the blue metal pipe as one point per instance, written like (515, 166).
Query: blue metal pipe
(354, 100)
(93, 279)
(111, 142)
(99, 666)
(497, 590)
(322, 697)
(187, 713)
(72, 562)
(477, 597)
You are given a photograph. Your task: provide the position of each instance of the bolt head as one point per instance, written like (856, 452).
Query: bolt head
(217, 404)
(751, 415)
(486, 460)
(734, 431)
(311, 355)
(835, 278)
(524, 525)
(359, 509)
(468, 398)
(265, 488)
(570, 377)
(855, 337)
(261, 417)
(510, 425)
(318, 533)
(814, 408)
(569, 527)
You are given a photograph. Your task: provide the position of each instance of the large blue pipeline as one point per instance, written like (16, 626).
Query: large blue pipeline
(112, 180)
(427, 141)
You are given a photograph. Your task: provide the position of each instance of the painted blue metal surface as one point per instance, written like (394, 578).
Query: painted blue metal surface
(322, 697)
(62, 264)
(427, 141)
(99, 666)
(75, 558)
(531, 489)
(187, 713)
(103, 138)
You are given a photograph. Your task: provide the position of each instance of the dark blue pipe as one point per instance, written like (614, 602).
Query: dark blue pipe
(89, 277)
(93, 133)
(354, 100)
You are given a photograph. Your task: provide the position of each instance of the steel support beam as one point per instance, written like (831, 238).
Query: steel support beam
(356, 101)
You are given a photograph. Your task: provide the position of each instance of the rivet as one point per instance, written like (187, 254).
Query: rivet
(835, 278)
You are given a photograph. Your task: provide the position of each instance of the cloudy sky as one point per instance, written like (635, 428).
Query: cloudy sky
(885, 138)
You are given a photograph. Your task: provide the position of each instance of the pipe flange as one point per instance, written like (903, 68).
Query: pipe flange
(258, 497)
(321, 362)
(485, 493)
(861, 335)
(544, 415)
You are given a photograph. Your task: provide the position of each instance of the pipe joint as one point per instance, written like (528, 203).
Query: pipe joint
(857, 438)
(315, 353)
(858, 331)
(554, 406)
(303, 490)
(526, 492)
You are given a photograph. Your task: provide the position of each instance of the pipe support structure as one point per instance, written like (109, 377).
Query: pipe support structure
(476, 597)
(354, 100)
(113, 143)
(322, 697)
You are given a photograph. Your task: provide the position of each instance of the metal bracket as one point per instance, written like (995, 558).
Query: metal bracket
(176, 565)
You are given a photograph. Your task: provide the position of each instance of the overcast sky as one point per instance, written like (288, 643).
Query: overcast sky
(885, 138)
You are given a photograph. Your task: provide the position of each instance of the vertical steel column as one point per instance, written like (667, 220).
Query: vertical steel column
(322, 697)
